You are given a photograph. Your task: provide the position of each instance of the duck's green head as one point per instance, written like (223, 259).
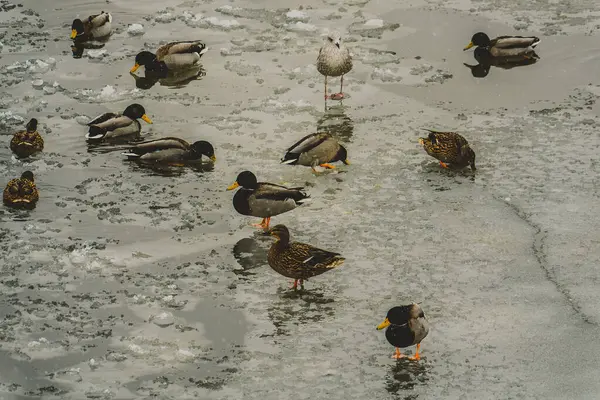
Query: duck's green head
(400, 315)
(202, 147)
(77, 28)
(342, 155)
(136, 111)
(478, 39)
(143, 58)
(245, 179)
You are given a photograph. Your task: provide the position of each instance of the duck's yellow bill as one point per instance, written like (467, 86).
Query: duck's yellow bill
(469, 46)
(73, 34)
(146, 118)
(383, 325)
(347, 162)
(421, 141)
(233, 186)
(134, 68)
(213, 158)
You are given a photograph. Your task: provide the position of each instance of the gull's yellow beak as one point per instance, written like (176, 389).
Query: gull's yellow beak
(146, 118)
(233, 186)
(73, 33)
(469, 46)
(135, 68)
(213, 158)
(383, 325)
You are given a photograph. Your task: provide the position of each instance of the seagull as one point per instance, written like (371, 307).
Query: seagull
(334, 60)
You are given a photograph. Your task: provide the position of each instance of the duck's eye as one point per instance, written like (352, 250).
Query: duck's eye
(13, 190)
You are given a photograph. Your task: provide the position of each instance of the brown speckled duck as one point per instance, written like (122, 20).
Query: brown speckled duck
(449, 148)
(27, 142)
(406, 326)
(21, 192)
(299, 261)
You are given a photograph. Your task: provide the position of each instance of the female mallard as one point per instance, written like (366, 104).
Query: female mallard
(334, 60)
(27, 142)
(114, 126)
(316, 149)
(299, 261)
(264, 200)
(170, 150)
(21, 192)
(93, 27)
(171, 56)
(406, 326)
(449, 148)
(505, 46)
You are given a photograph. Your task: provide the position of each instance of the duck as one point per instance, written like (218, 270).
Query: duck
(171, 56)
(334, 59)
(93, 27)
(171, 150)
(263, 199)
(449, 148)
(406, 326)
(21, 192)
(299, 261)
(316, 149)
(505, 46)
(114, 126)
(27, 142)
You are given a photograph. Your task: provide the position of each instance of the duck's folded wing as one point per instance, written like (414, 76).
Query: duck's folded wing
(270, 191)
(160, 144)
(102, 118)
(114, 123)
(164, 156)
(184, 60)
(308, 142)
(318, 258)
(182, 47)
(507, 42)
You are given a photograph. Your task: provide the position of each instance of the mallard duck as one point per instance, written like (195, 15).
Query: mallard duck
(93, 27)
(171, 56)
(27, 142)
(170, 150)
(112, 126)
(449, 148)
(299, 261)
(334, 60)
(406, 326)
(21, 192)
(264, 200)
(505, 46)
(316, 149)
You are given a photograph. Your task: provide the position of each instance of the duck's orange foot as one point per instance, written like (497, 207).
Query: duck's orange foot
(443, 165)
(296, 282)
(397, 355)
(264, 223)
(337, 96)
(416, 357)
(328, 166)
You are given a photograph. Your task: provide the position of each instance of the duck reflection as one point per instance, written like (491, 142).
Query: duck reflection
(404, 375)
(335, 122)
(486, 61)
(172, 79)
(170, 170)
(313, 307)
(78, 47)
(250, 254)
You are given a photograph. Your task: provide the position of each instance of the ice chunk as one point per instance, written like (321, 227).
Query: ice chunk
(37, 84)
(301, 27)
(135, 30)
(97, 53)
(163, 319)
(374, 23)
(297, 15)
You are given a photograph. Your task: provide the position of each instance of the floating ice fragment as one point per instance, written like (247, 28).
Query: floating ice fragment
(165, 18)
(97, 53)
(297, 15)
(37, 84)
(135, 30)
(375, 23)
(184, 355)
(301, 27)
(224, 23)
(163, 319)
(82, 119)
(386, 75)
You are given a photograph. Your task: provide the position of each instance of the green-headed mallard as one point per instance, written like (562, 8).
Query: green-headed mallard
(170, 150)
(406, 326)
(93, 27)
(27, 142)
(171, 56)
(334, 60)
(450, 148)
(21, 192)
(114, 126)
(505, 46)
(299, 261)
(316, 149)
(264, 200)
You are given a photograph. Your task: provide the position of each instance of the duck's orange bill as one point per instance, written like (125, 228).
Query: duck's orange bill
(134, 68)
(383, 325)
(146, 118)
(233, 186)
(73, 34)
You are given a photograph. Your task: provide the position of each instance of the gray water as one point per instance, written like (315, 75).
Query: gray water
(129, 283)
